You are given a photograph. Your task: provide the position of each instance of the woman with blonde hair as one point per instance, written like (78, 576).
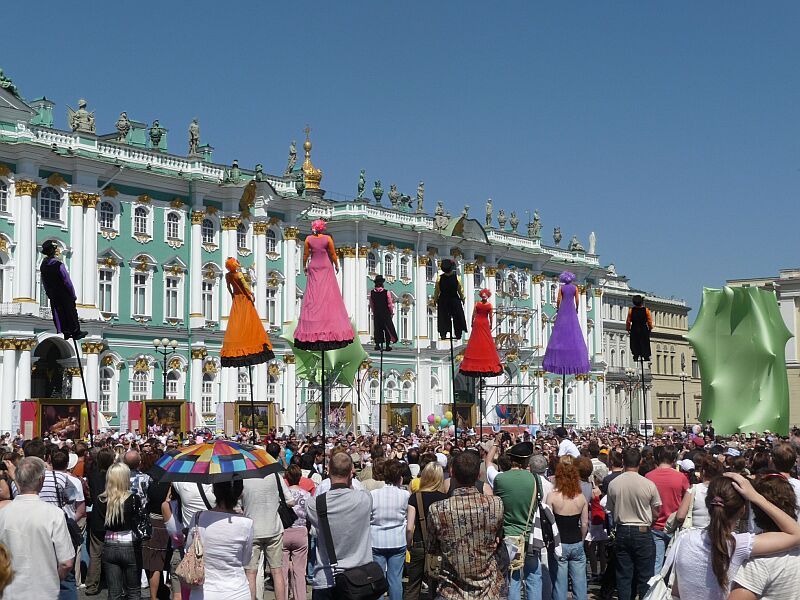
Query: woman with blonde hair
(6, 572)
(118, 509)
(431, 489)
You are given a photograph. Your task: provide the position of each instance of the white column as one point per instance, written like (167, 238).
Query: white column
(598, 324)
(76, 242)
(229, 225)
(469, 292)
(26, 246)
(9, 382)
(77, 385)
(290, 261)
(24, 369)
(421, 306)
(90, 254)
(261, 381)
(362, 310)
(196, 318)
(542, 408)
(491, 282)
(289, 392)
(196, 378)
(260, 289)
(91, 351)
(582, 311)
(422, 389)
(349, 279)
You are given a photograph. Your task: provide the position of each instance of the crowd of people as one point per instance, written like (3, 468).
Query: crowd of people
(503, 516)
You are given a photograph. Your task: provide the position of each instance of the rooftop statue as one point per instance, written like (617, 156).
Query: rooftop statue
(300, 183)
(440, 220)
(537, 224)
(421, 197)
(501, 218)
(394, 196)
(81, 120)
(194, 137)
(234, 174)
(292, 161)
(514, 222)
(362, 183)
(156, 133)
(377, 191)
(405, 201)
(489, 211)
(123, 127)
(259, 172)
(592, 243)
(575, 245)
(557, 235)
(465, 212)
(8, 85)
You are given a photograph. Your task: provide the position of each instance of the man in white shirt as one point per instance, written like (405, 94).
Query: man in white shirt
(565, 445)
(36, 535)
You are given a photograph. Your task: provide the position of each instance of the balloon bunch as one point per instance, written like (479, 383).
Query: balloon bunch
(435, 422)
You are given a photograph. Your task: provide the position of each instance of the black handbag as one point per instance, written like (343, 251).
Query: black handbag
(75, 533)
(365, 582)
(285, 512)
(143, 527)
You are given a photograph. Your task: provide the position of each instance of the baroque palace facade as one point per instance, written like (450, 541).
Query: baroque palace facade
(145, 234)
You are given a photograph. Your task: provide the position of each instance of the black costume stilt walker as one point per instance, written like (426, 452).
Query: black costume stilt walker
(639, 324)
(61, 294)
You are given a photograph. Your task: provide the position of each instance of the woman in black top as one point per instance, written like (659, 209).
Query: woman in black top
(431, 484)
(96, 478)
(118, 508)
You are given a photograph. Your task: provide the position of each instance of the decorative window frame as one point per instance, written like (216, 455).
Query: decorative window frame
(211, 373)
(212, 273)
(247, 249)
(405, 261)
(147, 236)
(214, 245)
(375, 258)
(274, 231)
(175, 242)
(112, 232)
(177, 364)
(4, 181)
(110, 261)
(392, 257)
(146, 264)
(174, 269)
(62, 211)
(143, 363)
(114, 363)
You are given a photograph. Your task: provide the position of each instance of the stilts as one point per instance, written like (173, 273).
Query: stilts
(85, 394)
(253, 425)
(644, 399)
(453, 383)
(563, 399)
(380, 402)
(324, 410)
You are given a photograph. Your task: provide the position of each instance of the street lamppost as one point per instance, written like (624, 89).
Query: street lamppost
(165, 347)
(630, 376)
(684, 377)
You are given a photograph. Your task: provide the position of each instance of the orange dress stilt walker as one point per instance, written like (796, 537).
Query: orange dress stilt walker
(246, 342)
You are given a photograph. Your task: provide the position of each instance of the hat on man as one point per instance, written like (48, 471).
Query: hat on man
(49, 248)
(521, 450)
(686, 465)
(379, 280)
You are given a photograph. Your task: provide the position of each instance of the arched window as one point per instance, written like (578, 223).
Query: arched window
(613, 358)
(207, 393)
(622, 359)
(106, 215)
(241, 236)
(3, 196)
(499, 282)
(272, 388)
(207, 231)
(404, 274)
(390, 391)
(50, 204)
(407, 392)
(430, 270)
(243, 387)
(139, 386)
(272, 241)
(3, 283)
(272, 306)
(140, 221)
(405, 322)
(570, 401)
(372, 263)
(208, 299)
(374, 390)
(553, 293)
(388, 265)
(173, 378)
(477, 278)
(173, 226)
(106, 382)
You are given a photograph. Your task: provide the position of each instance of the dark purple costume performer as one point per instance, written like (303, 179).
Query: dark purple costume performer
(59, 289)
(382, 305)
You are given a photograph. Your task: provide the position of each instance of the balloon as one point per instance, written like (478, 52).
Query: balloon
(437, 419)
(432, 429)
(501, 410)
(444, 422)
(448, 415)
(431, 418)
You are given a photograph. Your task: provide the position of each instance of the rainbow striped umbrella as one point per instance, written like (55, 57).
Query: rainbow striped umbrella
(221, 460)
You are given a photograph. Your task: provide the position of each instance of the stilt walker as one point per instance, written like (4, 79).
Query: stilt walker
(324, 409)
(246, 342)
(61, 294)
(566, 352)
(380, 402)
(450, 320)
(481, 358)
(639, 324)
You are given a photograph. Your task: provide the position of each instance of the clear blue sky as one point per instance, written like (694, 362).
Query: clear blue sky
(671, 129)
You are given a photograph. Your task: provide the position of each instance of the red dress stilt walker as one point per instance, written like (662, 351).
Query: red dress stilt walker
(480, 357)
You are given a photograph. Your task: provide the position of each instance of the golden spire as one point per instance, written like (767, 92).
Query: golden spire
(312, 175)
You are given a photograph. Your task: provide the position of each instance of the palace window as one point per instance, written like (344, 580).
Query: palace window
(207, 231)
(207, 393)
(3, 196)
(243, 387)
(106, 381)
(50, 204)
(407, 392)
(173, 226)
(140, 294)
(432, 332)
(272, 306)
(139, 386)
(372, 263)
(106, 215)
(390, 391)
(477, 278)
(404, 261)
(208, 300)
(106, 291)
(272, 242)
(553, 294)
(272, 388)
(374, 391)
(241, 236)
(140, 215)
(388, 265)
(430, 271)
(171, 298)
(405, 324)
(173, 378)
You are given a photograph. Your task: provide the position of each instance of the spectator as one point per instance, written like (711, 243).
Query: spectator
(465, 530)
(431, 480)
(615, 463)
(708, 468)
(375, 481)
(97, 485)
(75, 509)
(139, 481)
(565, 445)
(295, 539)
(6, 572)
(35, 533)
(671, 486)
(599, 468)
(571, 511)
(784, 459)
(388, 522)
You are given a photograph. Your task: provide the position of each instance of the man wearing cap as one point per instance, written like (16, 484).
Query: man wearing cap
(58, 287)
(565, 445)
(517, 488)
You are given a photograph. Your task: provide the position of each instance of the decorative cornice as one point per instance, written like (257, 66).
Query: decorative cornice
(107, 361)
(260, 228)
(491, 271)
(290, 233)
(199, 353)
(175, 270)
(56, 179)
(3, 244)
(92, 347)
(210, 367)
(91, 200)
(23, 187)
(176, 203)
(175, 364)
(538, 278)
(25, 345)
(5, 171)
(423, 261)
(348, 251)
(274, 370)
(289, 359)
(144, 199)
(229, 223)
(141, 365)
(197, 217)
(469, 268)
(77, 198)
(211, 210)
(111, 192)
(274, 220)
(363, 252)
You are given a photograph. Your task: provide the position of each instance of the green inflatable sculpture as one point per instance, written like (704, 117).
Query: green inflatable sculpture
(740, 340)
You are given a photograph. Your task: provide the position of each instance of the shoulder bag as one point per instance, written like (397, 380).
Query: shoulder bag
(285, 512)
(660, 586)
(365, 582)
(191, 570)
(433, 562)
(142, 526)
(518, 560)
(72, 525)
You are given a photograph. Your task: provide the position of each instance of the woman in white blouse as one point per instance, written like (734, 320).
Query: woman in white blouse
(709, 468)
(388, 526)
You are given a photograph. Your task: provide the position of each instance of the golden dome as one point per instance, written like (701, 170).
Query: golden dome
(311, 174)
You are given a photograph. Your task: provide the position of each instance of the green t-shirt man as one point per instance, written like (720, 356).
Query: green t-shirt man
(516, 488)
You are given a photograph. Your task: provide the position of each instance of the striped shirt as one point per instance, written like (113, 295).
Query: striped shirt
(388, 519)
(66, 489)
